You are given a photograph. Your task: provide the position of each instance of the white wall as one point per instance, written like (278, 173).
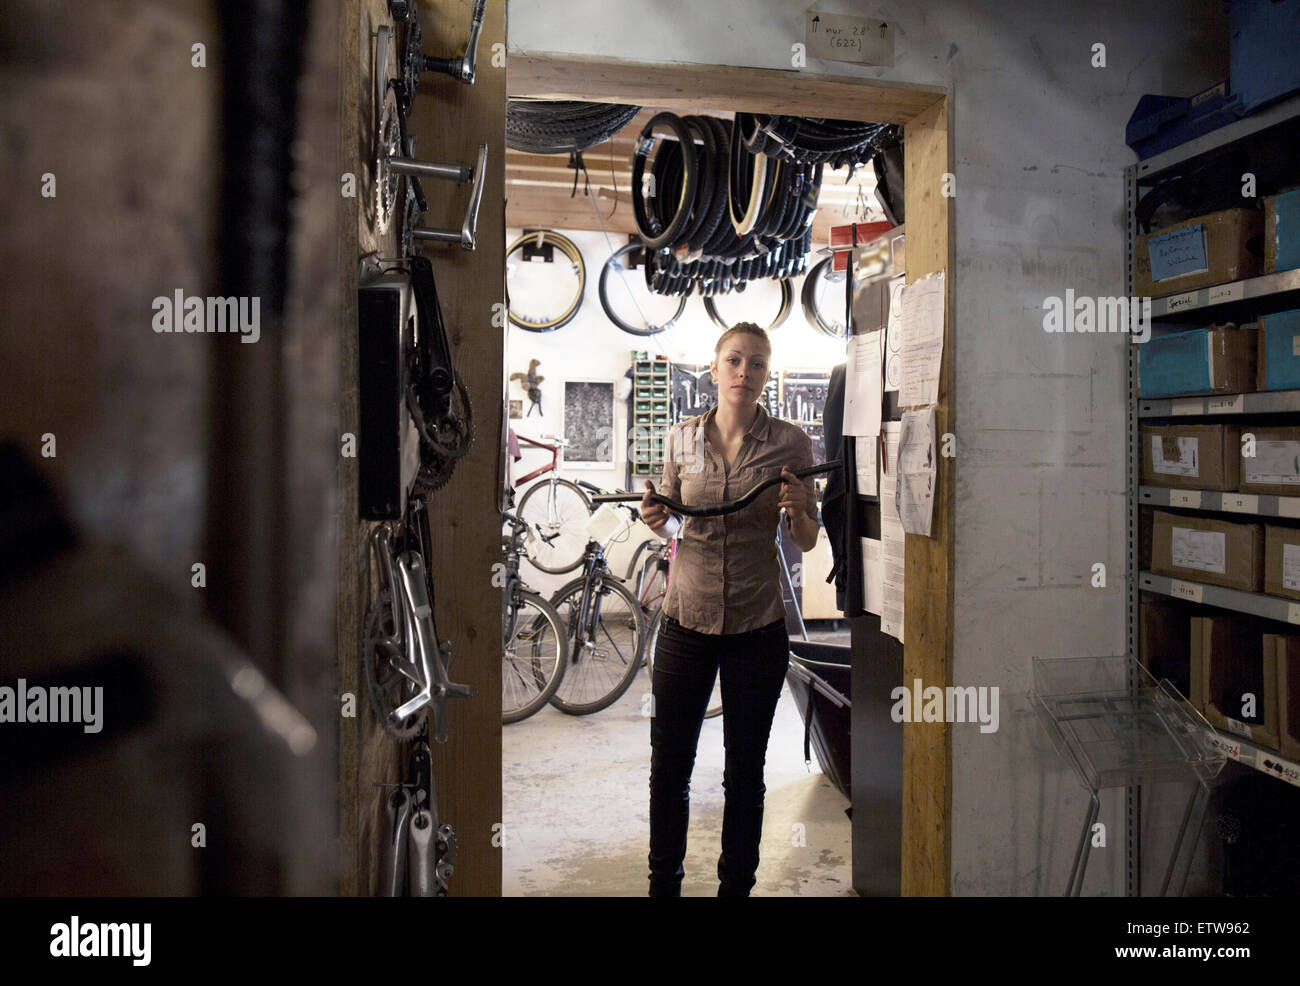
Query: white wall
(1039, 150)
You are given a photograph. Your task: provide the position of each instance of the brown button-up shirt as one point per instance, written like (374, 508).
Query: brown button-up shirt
(726, 577)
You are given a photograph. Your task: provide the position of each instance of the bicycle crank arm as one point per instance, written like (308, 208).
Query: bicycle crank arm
(716, 509)
(462, 68)
(468, 231)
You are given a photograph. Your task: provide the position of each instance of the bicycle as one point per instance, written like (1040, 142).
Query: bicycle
(605, 632)
(557, 510)
(529, 624)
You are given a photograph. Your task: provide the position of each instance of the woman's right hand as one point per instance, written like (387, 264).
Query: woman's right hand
(654, 513)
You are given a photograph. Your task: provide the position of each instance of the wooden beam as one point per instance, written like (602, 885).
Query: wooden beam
(465, 514)
(701, 88)
(927, 654)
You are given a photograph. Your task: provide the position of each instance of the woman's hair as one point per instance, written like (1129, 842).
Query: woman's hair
(747, 327)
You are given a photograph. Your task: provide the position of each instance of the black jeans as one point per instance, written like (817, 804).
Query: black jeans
(686, 662)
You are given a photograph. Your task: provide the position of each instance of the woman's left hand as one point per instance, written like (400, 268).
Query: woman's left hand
(794, 496)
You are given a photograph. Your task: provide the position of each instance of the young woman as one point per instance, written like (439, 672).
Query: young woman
(723, 613)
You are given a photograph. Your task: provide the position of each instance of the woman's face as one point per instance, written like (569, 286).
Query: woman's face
(741, 368)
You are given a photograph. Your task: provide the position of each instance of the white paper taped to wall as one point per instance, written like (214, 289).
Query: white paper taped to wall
(923, 311)
(862, 393)
(892, 540)
(916, 471)
(864, 449)
(872, 578)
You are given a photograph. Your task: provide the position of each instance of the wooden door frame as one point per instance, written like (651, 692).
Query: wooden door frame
(925, 113)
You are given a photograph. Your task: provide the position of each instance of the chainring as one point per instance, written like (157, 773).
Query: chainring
(388, 144)
(380, 627)
(444, 440)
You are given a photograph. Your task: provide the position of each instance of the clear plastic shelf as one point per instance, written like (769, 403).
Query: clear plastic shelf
(1115, 736)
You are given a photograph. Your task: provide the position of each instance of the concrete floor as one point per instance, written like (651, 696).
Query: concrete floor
(575, 799)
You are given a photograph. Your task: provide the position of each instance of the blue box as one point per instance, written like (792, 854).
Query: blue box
(1213, 360)
(1282, 232)
(1264, 39)
(1279, 351)
(1161, 122)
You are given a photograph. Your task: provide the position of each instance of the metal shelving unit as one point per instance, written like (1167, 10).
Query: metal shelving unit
(1236, 301)
(1228, 502)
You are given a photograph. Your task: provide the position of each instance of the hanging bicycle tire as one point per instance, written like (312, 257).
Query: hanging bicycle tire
(545, 242)
(544, 126)
(812, 309)
(615, 267)
(787, 303)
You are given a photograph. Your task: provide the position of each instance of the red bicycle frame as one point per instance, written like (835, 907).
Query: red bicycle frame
(553, 464)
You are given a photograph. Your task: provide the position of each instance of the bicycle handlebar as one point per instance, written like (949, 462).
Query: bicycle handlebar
(717, 509)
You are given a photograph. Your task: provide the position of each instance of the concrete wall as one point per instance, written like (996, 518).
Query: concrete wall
(1039, 150)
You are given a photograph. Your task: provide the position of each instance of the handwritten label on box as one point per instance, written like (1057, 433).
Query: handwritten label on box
(1178, 253)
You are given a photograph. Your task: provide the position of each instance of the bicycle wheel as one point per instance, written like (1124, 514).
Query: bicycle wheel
(652, 639)
(566, 308)
(562, 522)
(534, 656)
(604, 660)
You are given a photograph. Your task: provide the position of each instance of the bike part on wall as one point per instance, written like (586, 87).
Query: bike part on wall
(543, 126)
(823, 315)
(414, 61)
(435, 394)
(388, 456)
(787, 297)
(404, 662)
(716, 509)
(620, 262)
(539, 245)
(394, 151)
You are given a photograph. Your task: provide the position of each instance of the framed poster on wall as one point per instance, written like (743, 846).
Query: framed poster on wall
(588, 423)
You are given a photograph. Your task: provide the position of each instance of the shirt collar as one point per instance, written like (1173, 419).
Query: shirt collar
(760, 429)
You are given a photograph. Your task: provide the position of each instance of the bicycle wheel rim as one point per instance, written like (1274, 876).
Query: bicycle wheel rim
(613, 263)
(599, 672)
(533, 661)
(568, 526)
(570, 249)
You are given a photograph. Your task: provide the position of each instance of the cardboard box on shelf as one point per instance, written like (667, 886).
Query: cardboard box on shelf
(1288, 695)
(1198, 253)
(1282, 561)
(1165, 646)
(1202, 549)
(1275, 466)
(1282, 231)
(1194, 457)
(1278, 351)
(1218, 359)
(1239, 665)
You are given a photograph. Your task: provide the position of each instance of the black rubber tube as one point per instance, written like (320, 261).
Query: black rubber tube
(716, 509)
